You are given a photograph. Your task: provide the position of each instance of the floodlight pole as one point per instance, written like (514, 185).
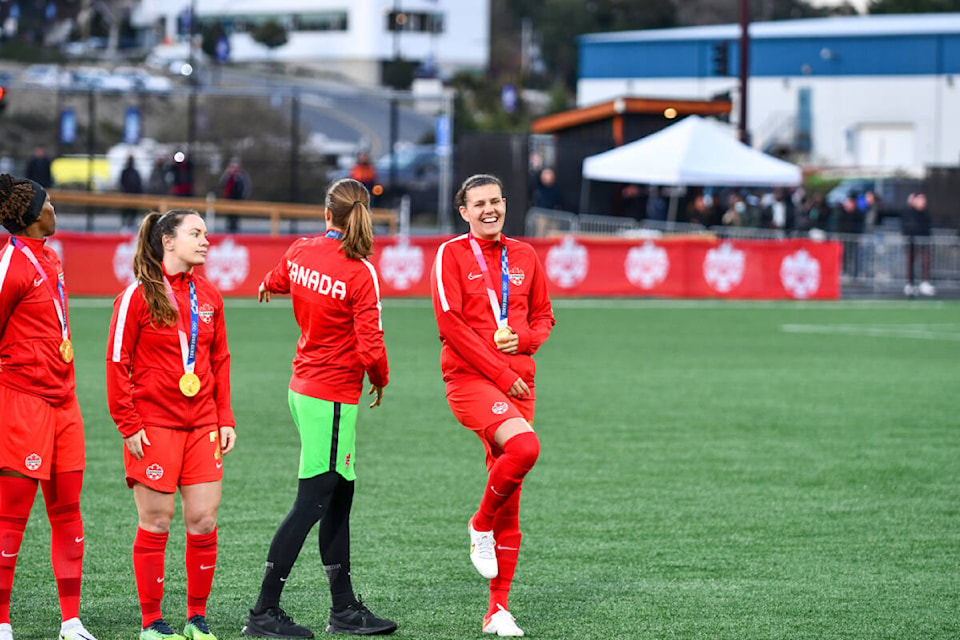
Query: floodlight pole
(743, 134)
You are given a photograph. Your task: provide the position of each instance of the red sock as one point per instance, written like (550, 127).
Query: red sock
(201, 558)
(62, 496)
(506, 531)
(16, 500)
(149, 550)
(519, 455)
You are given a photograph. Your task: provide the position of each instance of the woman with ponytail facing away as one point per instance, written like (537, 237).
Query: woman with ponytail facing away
(168, 388)
(41, 429)
(336, 302)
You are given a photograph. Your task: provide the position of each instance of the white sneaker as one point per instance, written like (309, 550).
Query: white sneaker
(927, 289)
(73, 629)
(483, 551)
(502, 624)
(6, 631)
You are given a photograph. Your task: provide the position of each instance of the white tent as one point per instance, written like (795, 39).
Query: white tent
(692, 152)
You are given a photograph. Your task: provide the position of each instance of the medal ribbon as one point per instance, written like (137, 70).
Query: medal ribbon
(499, 310)
(187, 349)
(59, 301)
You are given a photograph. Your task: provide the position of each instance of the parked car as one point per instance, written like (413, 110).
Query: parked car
(49, 76)
(143, 80)
(101, 80)
(891, 194)
(417, 174)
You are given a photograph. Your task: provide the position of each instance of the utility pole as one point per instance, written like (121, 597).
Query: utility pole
(394, 107)
(192, 104)
(744, 135)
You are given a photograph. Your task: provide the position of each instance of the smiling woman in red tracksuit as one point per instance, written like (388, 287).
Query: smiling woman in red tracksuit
(493, 311)
(41, 429)
(168, 387)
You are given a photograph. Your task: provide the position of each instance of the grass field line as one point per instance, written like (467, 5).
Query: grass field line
(914, 331)
(283, 302)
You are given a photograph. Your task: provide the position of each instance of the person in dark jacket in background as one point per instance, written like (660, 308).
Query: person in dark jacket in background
(130, 182)
(915, 223)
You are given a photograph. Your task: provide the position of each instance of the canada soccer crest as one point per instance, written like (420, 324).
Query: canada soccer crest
(723, 267)
(567, 263)
(800, 274)
(206, 313)
(32, 462)
(154, 472)
(228, 264)
(647, 266)
(401, 264)
(499, 408)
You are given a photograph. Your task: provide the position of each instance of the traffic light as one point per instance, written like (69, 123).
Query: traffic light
(3, 103)
(721, 59)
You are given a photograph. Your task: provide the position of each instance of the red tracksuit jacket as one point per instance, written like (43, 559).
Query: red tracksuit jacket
(30, 333)
(465, 317)
(336, 301)
(144, 362)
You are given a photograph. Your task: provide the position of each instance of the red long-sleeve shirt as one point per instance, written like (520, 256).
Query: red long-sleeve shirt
(30, 332)
(144, 362)
(466, 319)
(336, 301)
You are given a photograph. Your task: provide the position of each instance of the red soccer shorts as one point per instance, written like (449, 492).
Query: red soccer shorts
(175, 457)
(479, 405)
(38, 439)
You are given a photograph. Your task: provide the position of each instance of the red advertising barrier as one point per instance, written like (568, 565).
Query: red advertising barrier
(100, 265)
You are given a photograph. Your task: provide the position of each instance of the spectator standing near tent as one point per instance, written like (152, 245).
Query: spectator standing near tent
(915, 224)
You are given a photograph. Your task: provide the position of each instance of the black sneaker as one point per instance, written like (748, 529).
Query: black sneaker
(356, 619)
(274, 623)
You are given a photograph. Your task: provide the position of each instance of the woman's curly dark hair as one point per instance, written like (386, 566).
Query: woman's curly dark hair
(15, 197)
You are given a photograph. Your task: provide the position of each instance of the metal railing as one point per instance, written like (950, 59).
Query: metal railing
(872, 263)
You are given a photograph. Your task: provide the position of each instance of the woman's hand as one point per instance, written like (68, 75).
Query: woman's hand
(228, 438)
(518, 389)
(136, 443)
(263, 295)
(374, 389)
(510, 346)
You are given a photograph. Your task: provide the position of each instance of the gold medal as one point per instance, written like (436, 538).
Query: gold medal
(66, 350)
(502, 334)
(189, 384)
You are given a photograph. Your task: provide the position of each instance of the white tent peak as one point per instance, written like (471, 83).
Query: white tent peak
(692, 152)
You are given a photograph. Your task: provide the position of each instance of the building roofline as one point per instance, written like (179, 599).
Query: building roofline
(593, 113)
(856, 26)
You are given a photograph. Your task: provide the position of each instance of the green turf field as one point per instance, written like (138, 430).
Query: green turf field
(708, 470)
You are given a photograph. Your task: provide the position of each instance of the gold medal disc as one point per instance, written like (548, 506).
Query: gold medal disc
(66, 350)
(502, 334)
(189, 384)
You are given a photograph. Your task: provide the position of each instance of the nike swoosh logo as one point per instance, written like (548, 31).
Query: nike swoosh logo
(219, 465)
(502, 495)
(283, 579)
(38, 282)
(159, 580)
(474, 276)
(8, 555)
(78, 540)
(508, 548)
(204, 567)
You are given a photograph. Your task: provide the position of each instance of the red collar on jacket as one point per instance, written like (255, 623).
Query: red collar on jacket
(177, 278)
(34, 244)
